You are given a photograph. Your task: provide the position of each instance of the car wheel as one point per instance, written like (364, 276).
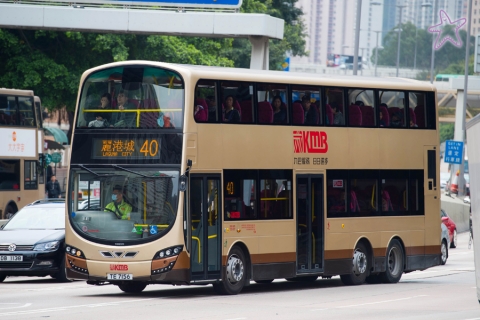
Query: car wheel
(453, 244)
(2, 277)
(132, 287)
(360, 267)
(235, 275)
(61, 276)
(264, 281)
(9, 212)
(444, 251)
(395, 263)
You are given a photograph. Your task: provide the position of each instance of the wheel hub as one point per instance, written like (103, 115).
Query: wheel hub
(359, 262)
(234, 269)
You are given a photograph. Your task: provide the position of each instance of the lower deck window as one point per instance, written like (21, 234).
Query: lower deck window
(9, 174)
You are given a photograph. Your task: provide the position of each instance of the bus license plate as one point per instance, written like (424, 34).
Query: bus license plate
(11, 258)
(119, 276)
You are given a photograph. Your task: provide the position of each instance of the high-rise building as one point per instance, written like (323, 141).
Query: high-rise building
(475, 25)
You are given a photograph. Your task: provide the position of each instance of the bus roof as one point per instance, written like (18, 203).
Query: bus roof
(240, 74)
(17, 92)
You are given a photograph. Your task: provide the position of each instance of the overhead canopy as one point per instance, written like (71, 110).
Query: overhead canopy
(58, 134)
(52, 145)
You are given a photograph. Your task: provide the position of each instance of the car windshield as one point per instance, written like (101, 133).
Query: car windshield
(121, 204)
(35, 217)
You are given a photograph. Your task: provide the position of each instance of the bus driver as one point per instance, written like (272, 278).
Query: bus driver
(118, 205)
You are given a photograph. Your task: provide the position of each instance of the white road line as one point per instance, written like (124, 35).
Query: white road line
(56, 288)
(93, 305)
(24, 306)
(370, 303)
(236, 319)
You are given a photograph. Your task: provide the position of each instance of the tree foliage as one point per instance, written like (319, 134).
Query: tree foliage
(412, 37)
(446, 131)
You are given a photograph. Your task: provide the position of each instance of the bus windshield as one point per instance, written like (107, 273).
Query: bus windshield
(123, 204)
(132, 97)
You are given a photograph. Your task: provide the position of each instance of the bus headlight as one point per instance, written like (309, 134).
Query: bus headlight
(168, 252)
(74, 252)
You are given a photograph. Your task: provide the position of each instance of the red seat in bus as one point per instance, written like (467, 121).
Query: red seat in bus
(354, 115)
(385, 115)
(329, 112)
(368, 116)
(420, 116)
(298, 114)
(202, 114)
(386, 201)
(149, 119)
(246, 109)
(265, 112)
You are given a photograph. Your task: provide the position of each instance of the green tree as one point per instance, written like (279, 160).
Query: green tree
(446, 131)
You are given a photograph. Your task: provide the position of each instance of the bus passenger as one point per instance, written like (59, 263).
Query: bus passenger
(311, 114)
(337, 114)
(212, 108)
(124, 119)
(231, 114)
(396, 121)
(101, 119)
(118, 205)
(279, 114)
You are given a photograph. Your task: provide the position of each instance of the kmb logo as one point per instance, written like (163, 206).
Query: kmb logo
(119, 267)
(310, 142)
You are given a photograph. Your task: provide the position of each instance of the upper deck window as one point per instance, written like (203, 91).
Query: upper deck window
(17, 111)
(132, 97)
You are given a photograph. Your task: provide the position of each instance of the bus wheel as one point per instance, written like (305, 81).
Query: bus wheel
(9, 212)
(444, 251)
(264, 281)
(132, 287)
(395, 258)
(360, 267)
(235, 273)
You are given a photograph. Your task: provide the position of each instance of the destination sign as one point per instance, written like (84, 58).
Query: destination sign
(126, 149)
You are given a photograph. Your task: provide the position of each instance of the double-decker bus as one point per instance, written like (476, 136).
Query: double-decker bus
(22, 178)
(227, 176)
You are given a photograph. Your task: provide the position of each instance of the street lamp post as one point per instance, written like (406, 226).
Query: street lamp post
(376, 52)
(372, 3)
(357, 37)
(399, 30)
(423, 5)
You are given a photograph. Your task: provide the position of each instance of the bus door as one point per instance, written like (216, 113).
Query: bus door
(205, 215)
(310, 221)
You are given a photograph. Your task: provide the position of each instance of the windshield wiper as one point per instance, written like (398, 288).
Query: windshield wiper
(140, 174)
(93, 172)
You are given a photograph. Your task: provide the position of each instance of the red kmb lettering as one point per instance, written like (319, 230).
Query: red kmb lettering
(119, 267)
(310, 142)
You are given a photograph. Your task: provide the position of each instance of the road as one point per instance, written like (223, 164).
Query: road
(443, 292)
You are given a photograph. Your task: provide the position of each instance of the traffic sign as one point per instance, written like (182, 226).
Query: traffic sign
(453, 151)
(48, 159)
(56, 157)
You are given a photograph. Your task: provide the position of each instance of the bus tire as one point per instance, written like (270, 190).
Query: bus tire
(61, 275)
(394, 262)
(444, 251)
(132, 287)
(235, 273)
(9, 211)
(264, 281)
(360, 267)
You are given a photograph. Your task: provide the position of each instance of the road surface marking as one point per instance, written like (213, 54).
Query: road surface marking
(370, 303)
(24, 306)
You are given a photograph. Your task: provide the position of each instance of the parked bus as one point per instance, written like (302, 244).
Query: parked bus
(212, 175)
(22, 179)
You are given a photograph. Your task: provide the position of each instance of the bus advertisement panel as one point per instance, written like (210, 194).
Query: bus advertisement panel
(226, 176)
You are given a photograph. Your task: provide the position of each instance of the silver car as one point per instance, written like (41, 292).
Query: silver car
(445, 244)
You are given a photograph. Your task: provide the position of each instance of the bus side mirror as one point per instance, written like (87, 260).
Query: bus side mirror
(182, 186)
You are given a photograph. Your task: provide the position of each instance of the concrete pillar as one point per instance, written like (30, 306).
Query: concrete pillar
(260, 52)
(459, 135)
